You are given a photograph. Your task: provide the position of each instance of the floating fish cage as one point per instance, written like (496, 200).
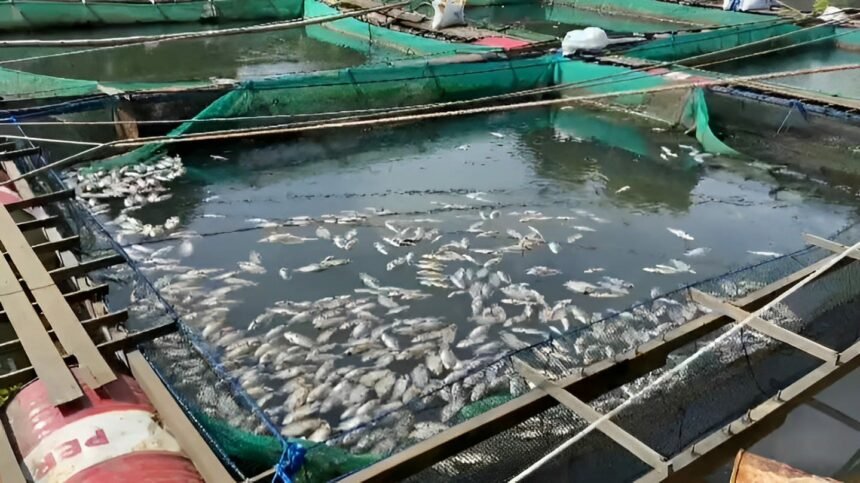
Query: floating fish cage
(371, 273)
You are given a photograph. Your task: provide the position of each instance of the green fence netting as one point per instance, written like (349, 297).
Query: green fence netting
(696, 115)
(655, 9)
(40, 14)
(20, 85)
(680, 46)
(366, 87)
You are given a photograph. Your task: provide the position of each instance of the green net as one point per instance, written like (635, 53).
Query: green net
(39, 14)
(358, 88)
(255, 453)
(670, 11)
(696, 115)
(681, 46)
(18, 85)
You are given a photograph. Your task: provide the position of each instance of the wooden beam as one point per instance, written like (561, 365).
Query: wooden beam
(765, 327)
(593, 381)
(9, 461)
(83, 268)
(20, 153)
(95, 371)
(626, 440)
(789, 397)
(128, 342)
(176, 422)
(41, 199)
(45, 359)
(72, 297)
(38, 223)
(57, 245)
(828, 245)
(94, 323)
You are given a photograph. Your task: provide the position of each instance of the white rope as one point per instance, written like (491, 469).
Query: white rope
(685, 363)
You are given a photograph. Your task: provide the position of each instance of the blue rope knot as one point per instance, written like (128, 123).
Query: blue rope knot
(291, 462)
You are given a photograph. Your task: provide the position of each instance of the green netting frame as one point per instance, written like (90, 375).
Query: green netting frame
(40, 14)
(681, 46)
(361, 88)
(654, 9)
(18, 85)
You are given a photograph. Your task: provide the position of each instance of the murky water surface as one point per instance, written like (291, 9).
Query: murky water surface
(247, 56)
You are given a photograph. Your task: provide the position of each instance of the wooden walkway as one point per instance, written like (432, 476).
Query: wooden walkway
(576, 390)
(43, 288)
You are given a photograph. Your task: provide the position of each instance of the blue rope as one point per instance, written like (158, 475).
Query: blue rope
(291, 461)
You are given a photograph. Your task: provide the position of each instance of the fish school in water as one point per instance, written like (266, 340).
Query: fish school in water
(495, 240)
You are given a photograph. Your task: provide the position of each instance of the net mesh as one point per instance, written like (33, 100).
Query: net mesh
(33, 15)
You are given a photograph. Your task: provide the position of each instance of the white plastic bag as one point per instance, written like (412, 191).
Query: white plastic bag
(448, 13)
(590, 38)
(833, 14)
(744, 5)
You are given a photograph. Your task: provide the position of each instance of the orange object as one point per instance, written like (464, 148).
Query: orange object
(750, 468)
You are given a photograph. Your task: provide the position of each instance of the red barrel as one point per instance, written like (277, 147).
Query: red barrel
(110, 435)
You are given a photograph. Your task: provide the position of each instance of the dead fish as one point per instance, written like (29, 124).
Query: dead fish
(680, 234)
(765, 254)
(554, 247)
(542, 271)
(323, 233)
(593, 270)
(574, 238)
(622, 189)
(380, 248)
(697, 252)
(580, 287)
(284, 238)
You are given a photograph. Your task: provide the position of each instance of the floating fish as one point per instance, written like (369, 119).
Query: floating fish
(497, 135)
(697, 252)
(541, 271)
(680, 234)
(765, 254)
(622, 189)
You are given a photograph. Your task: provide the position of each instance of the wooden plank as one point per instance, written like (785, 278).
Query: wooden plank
(83, 268)
(38, 223)
(629, 442)
(45, 360)
(95, 371)
(41, 199)
(94, 323)
(107, 348)
(828, 245)
(594, 380)
(176, 421)
(56, 245)
(9, 461)
(765, 327)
